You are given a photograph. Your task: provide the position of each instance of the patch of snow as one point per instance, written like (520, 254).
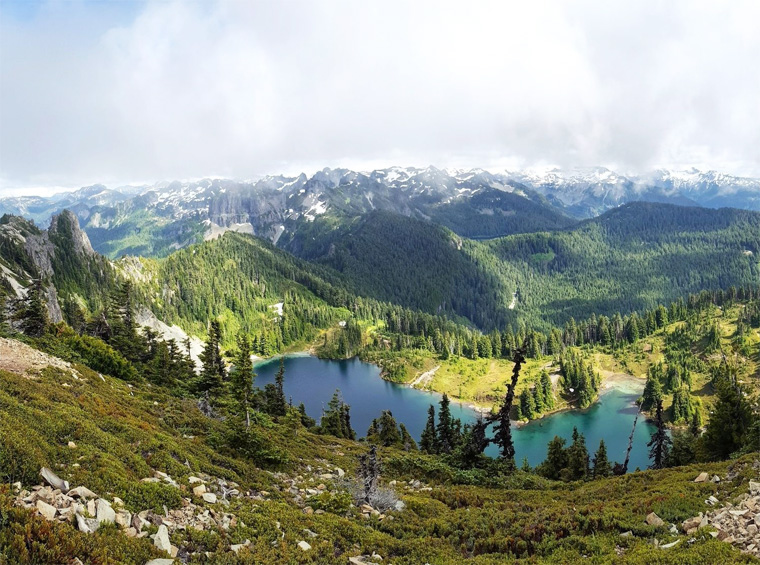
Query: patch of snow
(278, 308)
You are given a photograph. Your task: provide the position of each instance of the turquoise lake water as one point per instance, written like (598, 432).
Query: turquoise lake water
(313, 381)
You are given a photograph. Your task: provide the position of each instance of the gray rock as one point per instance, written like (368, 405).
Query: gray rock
(702, 477)
(304, 545)
(105, 514)
(209, 497)
(54, 480)
(160, 562)
(754, 487)
(82, 492)
(654, 520)
(161, 541)
(47, 510)
(87, 525)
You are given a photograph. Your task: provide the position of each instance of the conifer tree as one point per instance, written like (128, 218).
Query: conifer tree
(407, 441)
(556, 459)
(502, 425)
(429, 438)
(32, 312)
(577, 458)
(601, 465)
(242, 377)
(445, 431)
(213, 371)
(660, 443)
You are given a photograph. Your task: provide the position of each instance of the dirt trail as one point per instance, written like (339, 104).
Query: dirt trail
(19, 358)
(424, 378)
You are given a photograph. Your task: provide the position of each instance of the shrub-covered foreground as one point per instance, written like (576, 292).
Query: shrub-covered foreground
(123, 433)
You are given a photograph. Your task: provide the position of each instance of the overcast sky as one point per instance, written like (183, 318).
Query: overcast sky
(123, 92)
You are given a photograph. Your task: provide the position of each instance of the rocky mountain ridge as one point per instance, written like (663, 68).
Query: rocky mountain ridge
(156, 219)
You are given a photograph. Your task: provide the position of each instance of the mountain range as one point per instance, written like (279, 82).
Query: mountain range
(158, 219)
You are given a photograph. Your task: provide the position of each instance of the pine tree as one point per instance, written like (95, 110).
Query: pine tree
(388, 433)
(474, 442)
(601, 465)
(577, 458)
(556, 459)
(32, 312)
(527, 404)
(502, 424)
(545, 384)
(242, 377)
(660, 443)
(213, 371)
(407, 441)
(445, 430)
(731, 418)
(275, 401)
(429, 438)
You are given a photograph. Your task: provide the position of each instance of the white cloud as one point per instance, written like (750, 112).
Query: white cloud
(187, 89)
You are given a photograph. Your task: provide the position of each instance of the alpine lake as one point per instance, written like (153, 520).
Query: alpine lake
(313, 381)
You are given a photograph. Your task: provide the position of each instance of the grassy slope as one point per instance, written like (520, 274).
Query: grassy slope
(123, 434)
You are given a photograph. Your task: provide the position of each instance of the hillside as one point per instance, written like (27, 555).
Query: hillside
(628, 259)
(142, 445)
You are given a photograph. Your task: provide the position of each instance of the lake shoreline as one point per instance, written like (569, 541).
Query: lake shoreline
(610, 381)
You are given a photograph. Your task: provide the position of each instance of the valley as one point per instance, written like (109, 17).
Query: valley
(649, 313)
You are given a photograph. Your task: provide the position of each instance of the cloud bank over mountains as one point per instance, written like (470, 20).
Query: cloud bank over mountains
(162, 90)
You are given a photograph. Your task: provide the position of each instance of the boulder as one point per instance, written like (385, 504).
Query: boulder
(702, 477)
(161, 541)
(654, 520)
(82, 492)
(754, 487)
(123, 519)
(47, 510)
(209, 497)
(692, 524)
(105, 514)
(199, 490)
(54, 480)
(87, 525)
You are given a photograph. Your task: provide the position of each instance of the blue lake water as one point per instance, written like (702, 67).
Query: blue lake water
(313, 381)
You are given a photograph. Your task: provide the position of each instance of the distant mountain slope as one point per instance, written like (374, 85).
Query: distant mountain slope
(628, 259)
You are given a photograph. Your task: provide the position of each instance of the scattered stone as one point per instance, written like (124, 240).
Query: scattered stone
(304, 545)
(238, 546)
(209, 497)
(715, 479)
(54, 480)
(399, 505)
(72, 445)
(192, 480)
(702, 477)
(160, 562)
(627, 534)
(123, 519)
(654, 520)
(309, 533)
(671, 544)
(340, 472)
(87, 525)
(47, 510)
(105, 513)
(754, 488)
(82, 492)
(199, 490)
(161, 541)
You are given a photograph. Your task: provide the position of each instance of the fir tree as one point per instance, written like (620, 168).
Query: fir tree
(601, 465)
(407, 441)
(577, 458)
(213, 371)
(502, 425)
(445, 431)
(429, 438)
(242, 377)
(556, 459)
(32, 312)
(660, 443)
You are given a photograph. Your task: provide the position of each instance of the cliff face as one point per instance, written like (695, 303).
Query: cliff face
(61, 256)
